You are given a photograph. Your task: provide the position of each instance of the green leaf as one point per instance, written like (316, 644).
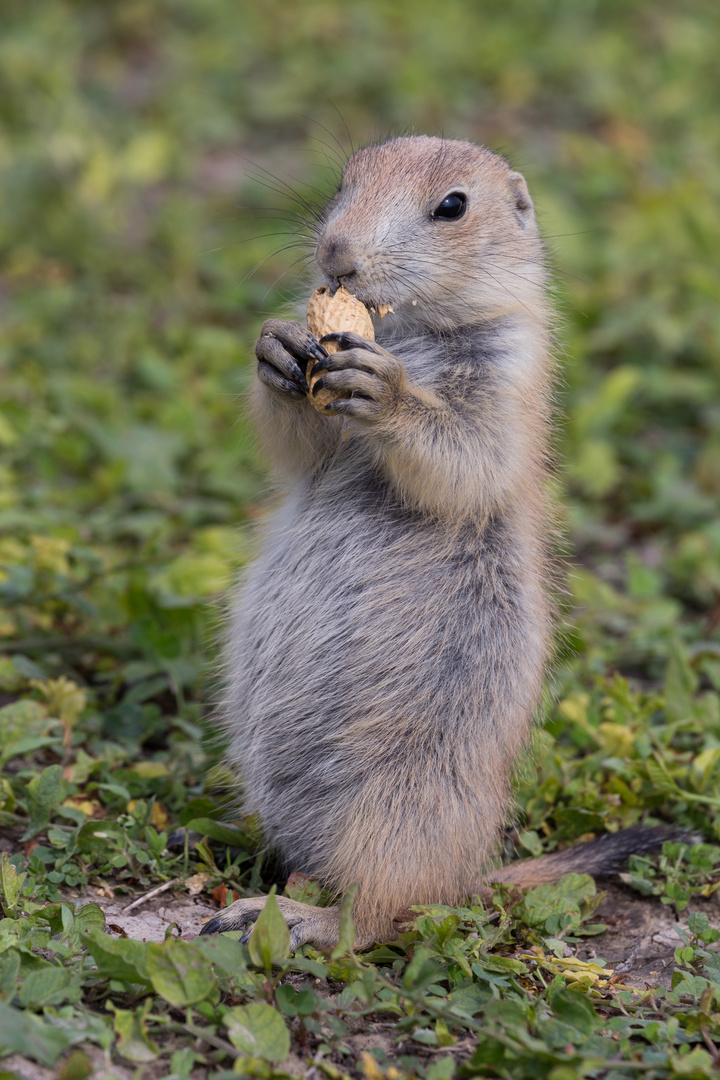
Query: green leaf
(680, 683)
(470, 1000)
(441, 1069)
(421, 971)
(196, 809)
(9, 974)
(270, 939)
(554, 907)
(227, 956)
(44, 794)
(698, 923)
(67, 918)
(134, 1042)
(24, 727)
(306, 1002)
(660, 778)
(257, 1030)
(23, 1033)
(93, 836)
(575, 1010)
(124, 960)
(49, 986)
(52, 916)
(530, 840)
(426, 1037)
(89, 917)
(346, 935)
(695, 1064)
(316, 968)
(77, 1066)
(11, 882)
(304, 889)
(491, 962)
(216, 830)
(180, 972)
(286, 998)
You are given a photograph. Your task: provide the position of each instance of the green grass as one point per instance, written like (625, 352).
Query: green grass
(141, 146)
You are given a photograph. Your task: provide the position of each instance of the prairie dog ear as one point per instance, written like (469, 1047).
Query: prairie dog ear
(521, 196)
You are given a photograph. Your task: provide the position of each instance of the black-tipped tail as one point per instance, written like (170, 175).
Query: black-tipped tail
(600, 858)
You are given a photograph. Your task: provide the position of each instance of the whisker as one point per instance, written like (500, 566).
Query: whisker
(296, 242)
(338, 151)
(505, 288)
(273, 183)
(306, 209)
(303, 258)
(557, 236)
(552, 270)
(344, 124)
(258, 265)
(293, 192)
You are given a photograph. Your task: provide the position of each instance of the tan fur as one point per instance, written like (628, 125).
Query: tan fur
(412, 550)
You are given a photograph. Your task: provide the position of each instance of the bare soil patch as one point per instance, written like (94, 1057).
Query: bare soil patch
(641, 935)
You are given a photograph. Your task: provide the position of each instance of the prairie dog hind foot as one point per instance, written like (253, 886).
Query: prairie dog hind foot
(318, 926)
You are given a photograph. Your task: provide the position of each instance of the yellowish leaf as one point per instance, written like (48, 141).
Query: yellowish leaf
(149, 770)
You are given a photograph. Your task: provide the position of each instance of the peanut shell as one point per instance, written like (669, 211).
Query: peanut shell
(329, 314)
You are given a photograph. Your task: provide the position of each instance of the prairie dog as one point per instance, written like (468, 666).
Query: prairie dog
(388, 648)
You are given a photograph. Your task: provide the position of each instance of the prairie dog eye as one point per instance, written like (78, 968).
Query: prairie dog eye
(453, 206)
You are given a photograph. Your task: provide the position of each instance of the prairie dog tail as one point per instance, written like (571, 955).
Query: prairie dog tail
(600, 858)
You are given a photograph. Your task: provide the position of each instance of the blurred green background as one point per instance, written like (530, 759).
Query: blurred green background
(146, 231)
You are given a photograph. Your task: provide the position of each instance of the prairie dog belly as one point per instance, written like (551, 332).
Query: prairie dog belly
(346, 671)
(308, 602)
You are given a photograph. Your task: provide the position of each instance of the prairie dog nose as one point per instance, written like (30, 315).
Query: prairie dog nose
(336, 256)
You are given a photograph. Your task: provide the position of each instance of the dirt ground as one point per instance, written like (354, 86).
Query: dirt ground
(641, 935)
(150, 920)
(639, 944)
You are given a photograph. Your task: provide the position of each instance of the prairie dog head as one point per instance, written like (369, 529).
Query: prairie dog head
(443, 231)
